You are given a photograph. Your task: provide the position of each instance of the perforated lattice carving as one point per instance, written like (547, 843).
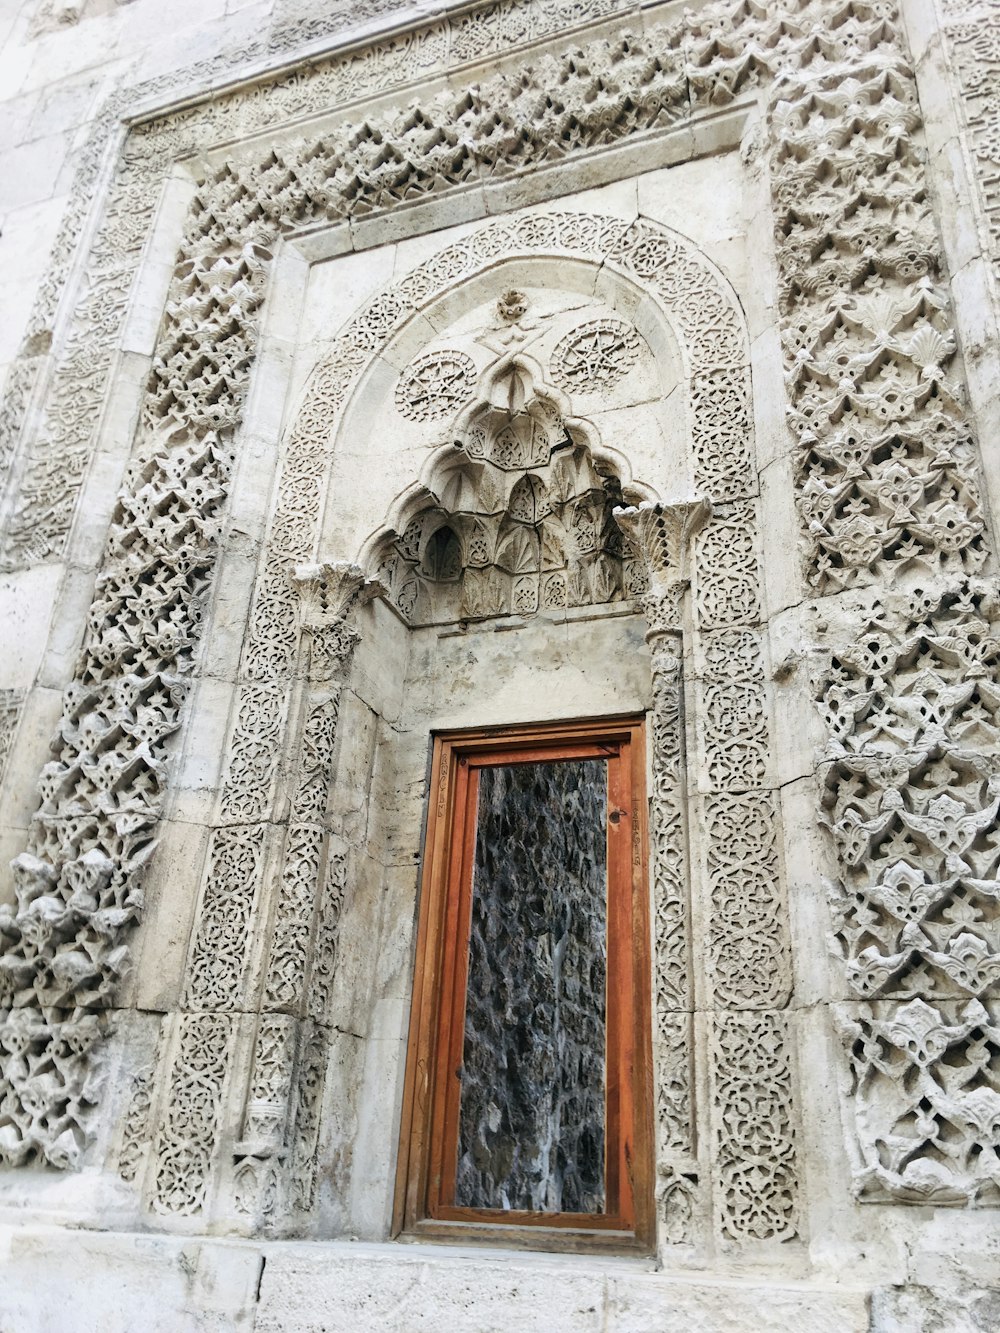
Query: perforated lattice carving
(884, 452)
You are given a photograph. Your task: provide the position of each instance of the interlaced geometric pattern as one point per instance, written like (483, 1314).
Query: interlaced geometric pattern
(885, 461)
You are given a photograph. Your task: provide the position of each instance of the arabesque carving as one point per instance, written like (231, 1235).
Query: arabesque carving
(303, 932)
(912, 789)
(712, 335)
(58, 453)
(78, 891)
(757, 1157)
(972, 28)
(595, 356)
(10, 710)
(885, 455)
(662, 534)
(435, 385)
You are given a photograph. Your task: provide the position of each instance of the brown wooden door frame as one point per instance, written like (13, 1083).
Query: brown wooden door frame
(424, 1205)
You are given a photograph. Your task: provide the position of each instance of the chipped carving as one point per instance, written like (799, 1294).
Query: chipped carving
(516, 517)
(595, 356)
(435, 385)
(885, 459)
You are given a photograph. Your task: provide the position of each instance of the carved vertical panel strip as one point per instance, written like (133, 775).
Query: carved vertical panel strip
(218, 960)
(11, 702)
(270, 1125)
(291, 938)
(63, 446)
(184, 1145)
(754, 1123)
(662, 535)
(972, 28)
(307, 1093)
(230, 917)
(671, 944)
(254, 746)
(748, 965)
(19, 385)
(258, 1159)
(912, 794)
(137, 1129)
(747, 955)
(673, 1005)
(746, 952)
(308, 1100)
(887, 466)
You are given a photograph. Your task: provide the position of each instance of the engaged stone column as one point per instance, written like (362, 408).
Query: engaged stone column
(663, 534)
(274, 1160)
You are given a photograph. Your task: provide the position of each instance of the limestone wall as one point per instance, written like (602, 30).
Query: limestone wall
(331, 340)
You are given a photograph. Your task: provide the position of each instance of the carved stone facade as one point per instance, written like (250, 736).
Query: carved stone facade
(407, 368)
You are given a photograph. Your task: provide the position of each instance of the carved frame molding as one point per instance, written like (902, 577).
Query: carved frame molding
(885, 456)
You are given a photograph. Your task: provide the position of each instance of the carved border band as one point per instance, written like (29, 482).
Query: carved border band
(887, 473)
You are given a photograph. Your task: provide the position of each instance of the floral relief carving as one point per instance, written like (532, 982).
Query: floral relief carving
(912, 791)
(299, 497)
(662, 534)
(748, 935)
(216, 966)
(184, 1145)
(735, 709)
(748, 965)
(755, 1131)
(929, 1077)
(265, 1123)
(324, 597)
(972, 28)
(133, 1149)
(721, 435)
(306, 1092)
(136, 1127)
(324, 957)
(11, 702)
(728, 586)
(253, 751)
(292, 934)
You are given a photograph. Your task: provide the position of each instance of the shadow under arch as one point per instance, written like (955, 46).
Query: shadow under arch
(514, 515)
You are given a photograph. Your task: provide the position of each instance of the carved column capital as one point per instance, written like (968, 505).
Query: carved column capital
(662, 534)
(328, 593)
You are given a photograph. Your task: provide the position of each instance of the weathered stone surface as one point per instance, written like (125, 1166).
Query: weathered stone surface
(488, 1296)
(328, 353)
